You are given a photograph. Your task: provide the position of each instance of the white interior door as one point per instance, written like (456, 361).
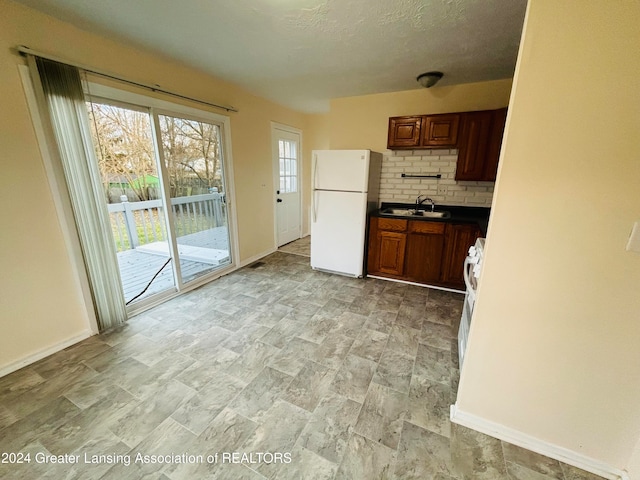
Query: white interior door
(286, 156)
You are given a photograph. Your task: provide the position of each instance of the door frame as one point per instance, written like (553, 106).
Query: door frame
(60, 195)
(157, 105)
(275, 126)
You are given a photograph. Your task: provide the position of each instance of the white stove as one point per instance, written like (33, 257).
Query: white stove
(472, 268)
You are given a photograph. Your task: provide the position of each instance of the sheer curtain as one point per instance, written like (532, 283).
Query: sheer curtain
(67, 112)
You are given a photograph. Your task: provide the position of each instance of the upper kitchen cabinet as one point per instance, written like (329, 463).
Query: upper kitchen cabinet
(404, 132)
(424, 131)
(479, 144)
(477, 135)
(440, 130)
(495, 144)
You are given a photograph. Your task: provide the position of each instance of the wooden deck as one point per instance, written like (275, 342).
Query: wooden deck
(138, 267)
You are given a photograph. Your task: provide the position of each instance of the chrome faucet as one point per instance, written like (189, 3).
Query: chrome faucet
(420, 201)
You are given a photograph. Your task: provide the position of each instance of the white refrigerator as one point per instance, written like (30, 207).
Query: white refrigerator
(346, 184)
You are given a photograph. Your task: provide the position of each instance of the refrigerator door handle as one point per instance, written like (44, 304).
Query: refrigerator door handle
(315, 171)
(314, 206)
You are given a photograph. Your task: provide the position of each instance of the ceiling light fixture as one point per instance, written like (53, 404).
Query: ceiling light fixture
(429, 79)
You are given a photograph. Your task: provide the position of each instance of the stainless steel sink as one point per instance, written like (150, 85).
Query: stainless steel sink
(424, 213)
(398, 211)
(410, 212)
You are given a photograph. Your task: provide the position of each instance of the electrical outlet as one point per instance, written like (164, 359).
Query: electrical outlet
(442, 189)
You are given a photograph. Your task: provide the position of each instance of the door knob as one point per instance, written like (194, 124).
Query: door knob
(279, 200)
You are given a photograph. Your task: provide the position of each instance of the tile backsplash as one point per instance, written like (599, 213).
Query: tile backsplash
(394, 188)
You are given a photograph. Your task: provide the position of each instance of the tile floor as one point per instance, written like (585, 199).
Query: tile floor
(329, 377)
(302, 246)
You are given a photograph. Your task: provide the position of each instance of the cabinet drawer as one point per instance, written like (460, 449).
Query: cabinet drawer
(426, 227)
(392, 224)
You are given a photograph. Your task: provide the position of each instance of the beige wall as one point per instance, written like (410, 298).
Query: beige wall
(41, 304)
(633, 466)
(553, 350)
(316, 137)
(362, 122)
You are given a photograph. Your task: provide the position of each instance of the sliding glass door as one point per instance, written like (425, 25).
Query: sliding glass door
(164, 186)
(192, 153)
(124, 145)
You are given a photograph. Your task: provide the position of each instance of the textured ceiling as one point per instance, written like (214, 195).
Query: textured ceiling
(301, 53)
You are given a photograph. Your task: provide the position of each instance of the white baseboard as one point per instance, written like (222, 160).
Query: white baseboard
(28, 360)
(523, 440)
(425, 285)
(39, 355)
(257, 257)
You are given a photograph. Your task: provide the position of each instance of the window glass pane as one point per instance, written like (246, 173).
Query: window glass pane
(288, 166)
(194, 161)
(124, 143)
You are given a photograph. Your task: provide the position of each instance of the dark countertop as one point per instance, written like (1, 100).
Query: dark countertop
(459, 214)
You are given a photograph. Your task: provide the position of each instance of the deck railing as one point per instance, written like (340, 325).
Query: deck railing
(139, 223)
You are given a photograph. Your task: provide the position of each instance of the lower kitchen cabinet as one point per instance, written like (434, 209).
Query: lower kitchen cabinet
(387, 246)
(419, 251)
(392, 247)
(459, 237)
(425, 246)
